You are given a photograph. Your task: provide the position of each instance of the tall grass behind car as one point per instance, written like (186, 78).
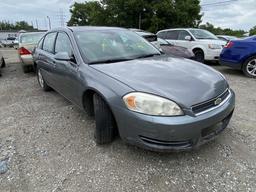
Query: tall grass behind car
(27, 42)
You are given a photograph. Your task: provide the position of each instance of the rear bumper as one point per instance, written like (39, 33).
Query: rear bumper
(26, 60)
(173, 133)
(231, 64)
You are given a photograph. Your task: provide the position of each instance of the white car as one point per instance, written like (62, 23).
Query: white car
(150, 37)
(205, 45)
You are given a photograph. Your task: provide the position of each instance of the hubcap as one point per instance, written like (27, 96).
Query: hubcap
(40, 79)
(251, 67)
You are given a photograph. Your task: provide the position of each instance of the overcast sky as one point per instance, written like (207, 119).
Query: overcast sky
(236, 14)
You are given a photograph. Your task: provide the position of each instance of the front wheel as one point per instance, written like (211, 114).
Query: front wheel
(199, 56)
(41, 81)
(249, 67)
(104, 132)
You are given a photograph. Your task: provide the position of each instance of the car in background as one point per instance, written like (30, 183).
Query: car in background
(205, 45)
(241, 54)
(174, 50)
(226, 38)
(16, 43)
(150, 37)
(27, 43)
(153, 101)
(8, 42)
(2, 62)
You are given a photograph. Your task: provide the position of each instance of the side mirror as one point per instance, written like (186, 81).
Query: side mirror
(62, 56)
(188, 38)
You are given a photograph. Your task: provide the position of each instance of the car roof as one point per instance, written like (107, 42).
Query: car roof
(31, 33)
(82, 28)
(173, 29)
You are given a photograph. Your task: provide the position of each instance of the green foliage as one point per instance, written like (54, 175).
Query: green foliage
(253, 31)
(155, 14)
(20, 25)
(220, 31)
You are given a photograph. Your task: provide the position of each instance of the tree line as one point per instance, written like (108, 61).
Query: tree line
(150, 15)
(20, 25)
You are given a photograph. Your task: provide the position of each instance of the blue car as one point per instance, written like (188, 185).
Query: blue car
(241, 54)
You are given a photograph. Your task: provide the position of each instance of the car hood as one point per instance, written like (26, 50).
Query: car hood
(184, 81)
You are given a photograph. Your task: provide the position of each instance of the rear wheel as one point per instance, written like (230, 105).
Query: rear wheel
(26, 69)
(41, 81)
(104, 132)
(199, 55)
(249, 67)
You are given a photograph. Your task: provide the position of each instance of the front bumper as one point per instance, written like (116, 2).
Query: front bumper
(173, 133)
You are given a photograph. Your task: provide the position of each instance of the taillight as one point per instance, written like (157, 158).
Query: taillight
(229, 44)
(24, 51)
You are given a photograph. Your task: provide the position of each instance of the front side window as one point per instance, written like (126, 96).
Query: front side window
(49, 42)
(202, 34)
(183, 34)
(109, 45)
(63, 44)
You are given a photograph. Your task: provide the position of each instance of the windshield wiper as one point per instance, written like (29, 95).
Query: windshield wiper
(109, 61)
(148, 55)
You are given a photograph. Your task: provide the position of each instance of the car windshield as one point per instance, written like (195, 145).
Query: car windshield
(99, 46)
(202, 34)
(31, 38)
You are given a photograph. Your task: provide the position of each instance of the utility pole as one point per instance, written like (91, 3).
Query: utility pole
(37, 24)
(140, 20)
(49, 22)
(140, 15)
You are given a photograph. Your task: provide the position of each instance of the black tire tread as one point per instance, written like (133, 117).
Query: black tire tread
(3, 63)
(104, 121)
(198, 51)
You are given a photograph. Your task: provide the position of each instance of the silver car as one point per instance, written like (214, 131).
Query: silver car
(153, 101)
(27, 42)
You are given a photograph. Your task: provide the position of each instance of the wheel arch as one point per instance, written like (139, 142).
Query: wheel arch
(87, 102)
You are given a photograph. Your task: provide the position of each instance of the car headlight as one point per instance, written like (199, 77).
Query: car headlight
(214, 46)
(151, 104)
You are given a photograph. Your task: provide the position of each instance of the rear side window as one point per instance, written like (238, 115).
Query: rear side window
(173, 35)
(49, 42)
(63, 44)
(161, 34)
(183, 34)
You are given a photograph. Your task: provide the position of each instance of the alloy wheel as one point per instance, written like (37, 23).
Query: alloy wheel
(251, 67)
(40, 79)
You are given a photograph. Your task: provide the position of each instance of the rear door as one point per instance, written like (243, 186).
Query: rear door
(172, 36)
(46, 57)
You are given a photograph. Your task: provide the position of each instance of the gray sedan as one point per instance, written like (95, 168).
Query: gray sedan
(153, 101)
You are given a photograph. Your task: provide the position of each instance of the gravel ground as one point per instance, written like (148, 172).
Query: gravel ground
(46, 145)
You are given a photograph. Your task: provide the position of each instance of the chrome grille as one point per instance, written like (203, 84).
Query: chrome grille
(205, 106)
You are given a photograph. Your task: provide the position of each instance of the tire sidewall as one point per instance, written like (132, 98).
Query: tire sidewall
(199, 56)
(245, 67)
